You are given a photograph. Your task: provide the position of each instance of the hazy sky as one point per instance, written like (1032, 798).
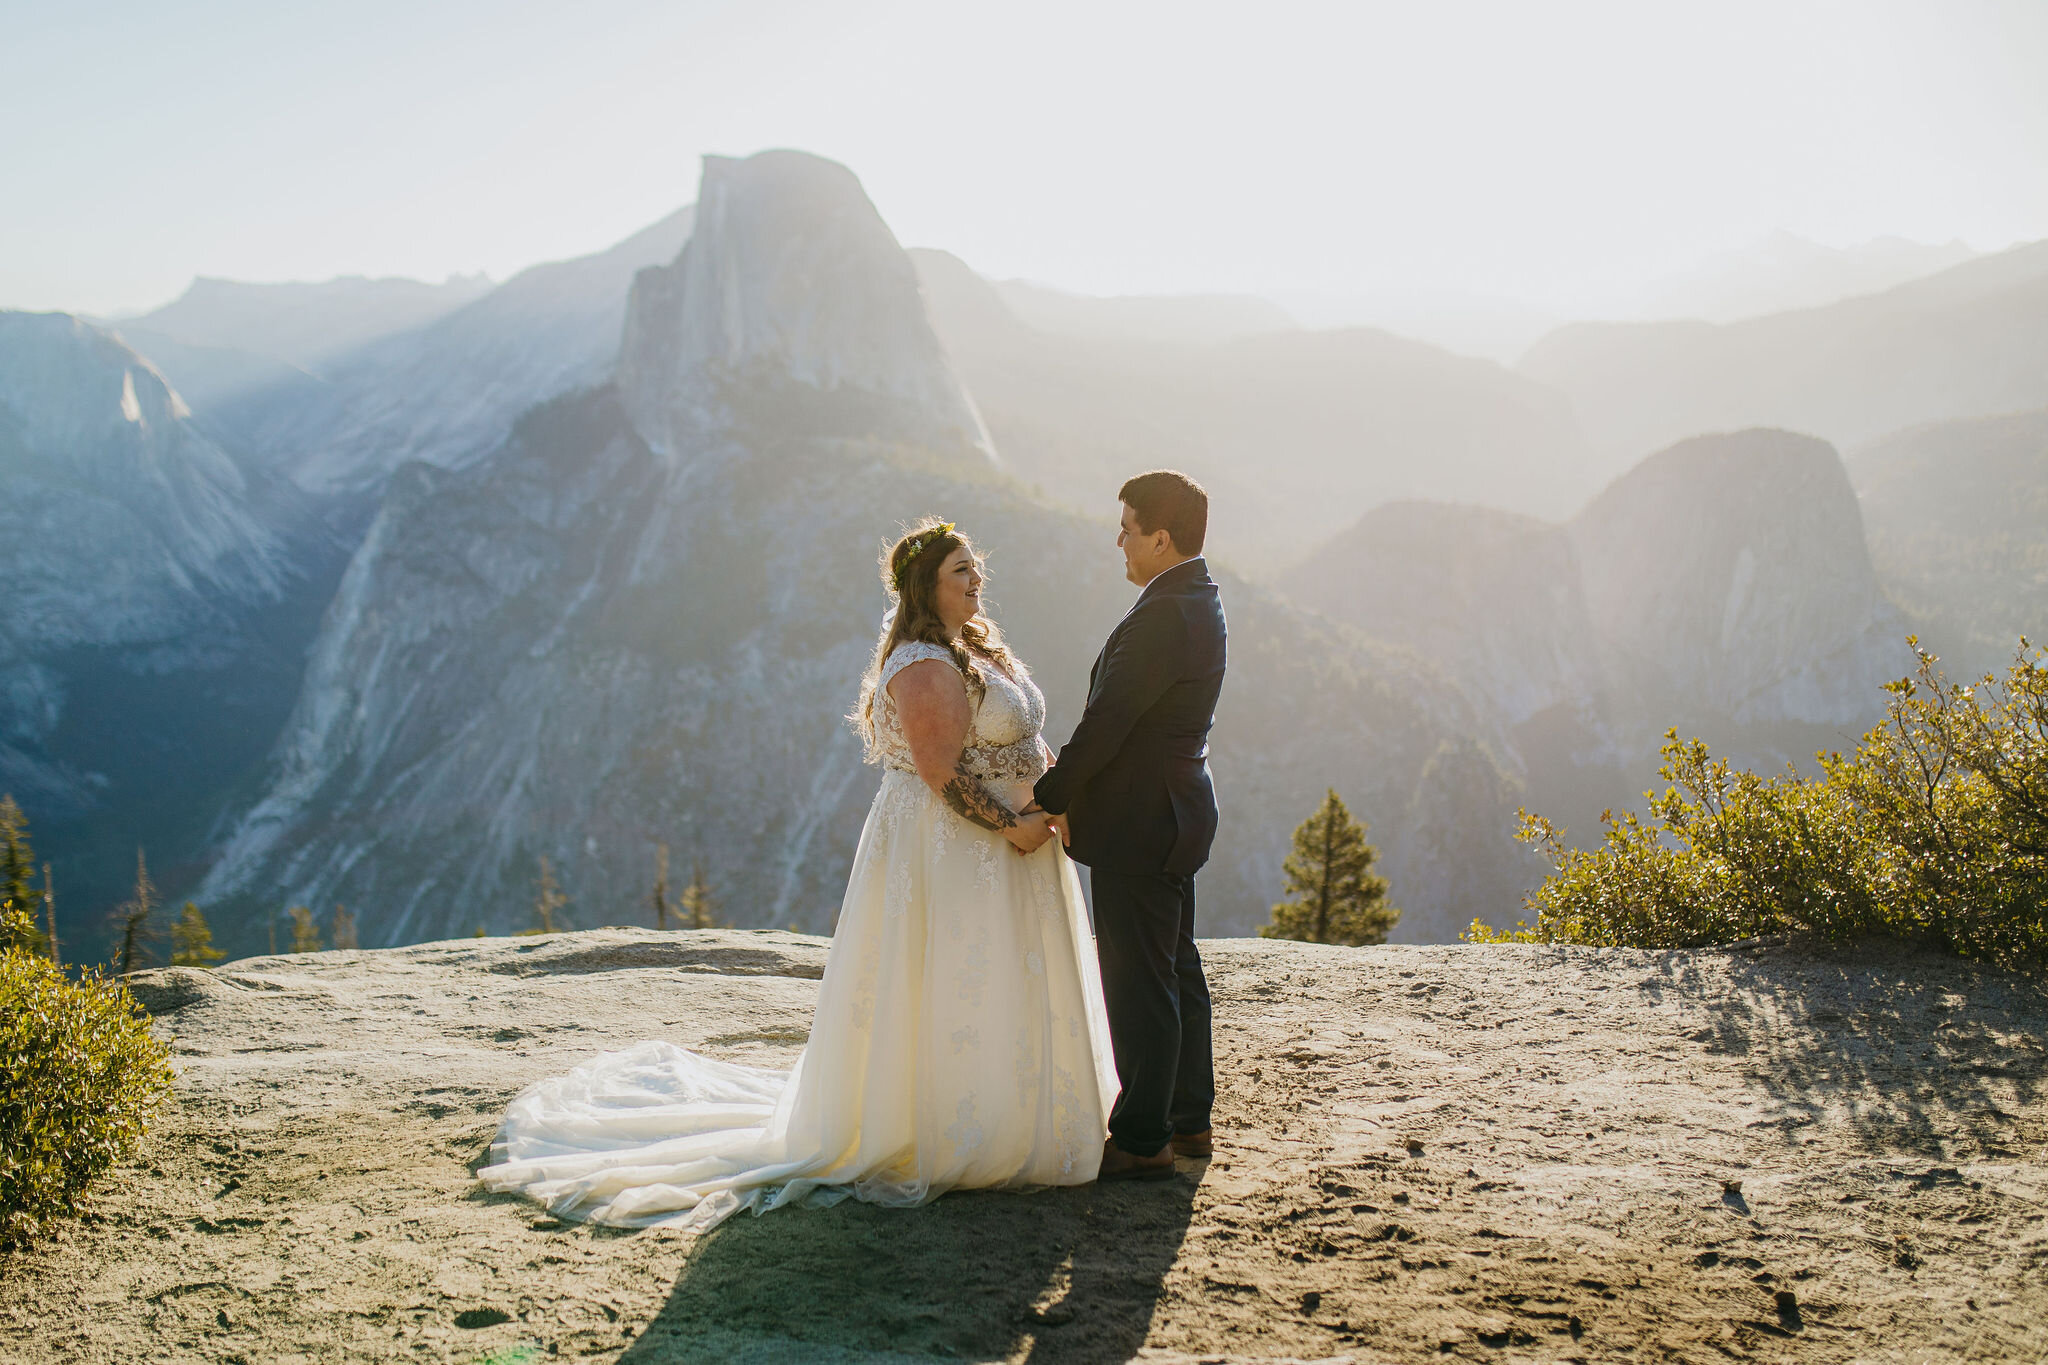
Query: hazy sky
(1557, 153)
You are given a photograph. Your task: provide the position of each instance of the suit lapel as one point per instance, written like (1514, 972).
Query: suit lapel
(1175, 579)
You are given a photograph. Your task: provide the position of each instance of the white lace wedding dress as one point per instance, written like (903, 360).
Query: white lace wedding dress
(959, 1039)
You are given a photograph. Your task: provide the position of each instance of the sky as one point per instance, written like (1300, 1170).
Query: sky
(1559, 155)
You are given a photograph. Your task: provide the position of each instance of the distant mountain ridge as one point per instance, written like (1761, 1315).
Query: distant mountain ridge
(1294, 432)
(305, 324)
(1182, 318)
(1784, 273)
(1966, 342)
(441, 392)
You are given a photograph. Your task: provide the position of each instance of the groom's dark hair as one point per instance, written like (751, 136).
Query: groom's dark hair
(1170, 500)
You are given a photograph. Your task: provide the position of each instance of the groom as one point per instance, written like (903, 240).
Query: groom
(1132, 798)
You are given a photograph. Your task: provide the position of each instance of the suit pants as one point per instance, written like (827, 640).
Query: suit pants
(1158, 1003)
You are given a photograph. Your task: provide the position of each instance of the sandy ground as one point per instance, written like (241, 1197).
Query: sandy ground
(1443, 1153)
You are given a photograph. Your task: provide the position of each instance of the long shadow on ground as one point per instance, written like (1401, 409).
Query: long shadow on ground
(1916, 1048)
(1055, 1275)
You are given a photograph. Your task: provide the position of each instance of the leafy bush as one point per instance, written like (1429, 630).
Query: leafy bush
(80, 1077)
(1934, 830)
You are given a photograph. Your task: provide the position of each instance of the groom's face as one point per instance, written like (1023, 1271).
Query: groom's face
(1145, 555)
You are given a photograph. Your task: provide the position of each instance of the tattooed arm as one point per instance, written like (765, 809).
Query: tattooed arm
(971, 799)
(931, 699)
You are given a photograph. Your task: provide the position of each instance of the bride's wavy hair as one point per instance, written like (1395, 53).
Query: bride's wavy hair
(910, 572)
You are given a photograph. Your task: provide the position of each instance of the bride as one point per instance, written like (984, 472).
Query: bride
(960, 1038)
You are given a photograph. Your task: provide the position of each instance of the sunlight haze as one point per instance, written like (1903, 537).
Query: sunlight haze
(1562, 158)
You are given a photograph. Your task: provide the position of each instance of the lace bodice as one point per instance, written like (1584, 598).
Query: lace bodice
(1002, 739)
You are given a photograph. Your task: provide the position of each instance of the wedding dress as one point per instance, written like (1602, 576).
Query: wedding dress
(959, 1040)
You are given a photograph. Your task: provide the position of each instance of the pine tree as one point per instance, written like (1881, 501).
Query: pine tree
(192, 940)
(1336, 896)
(50, 915)
(305, 933)
(695, 902)
(17, 861)
(18, 898)
(661, 886)
(342, 931)
(134, 914)
(547, 899)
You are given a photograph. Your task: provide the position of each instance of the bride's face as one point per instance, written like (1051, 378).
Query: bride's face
(958, 592)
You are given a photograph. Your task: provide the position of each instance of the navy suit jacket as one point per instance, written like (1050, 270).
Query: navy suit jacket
(1134, 780)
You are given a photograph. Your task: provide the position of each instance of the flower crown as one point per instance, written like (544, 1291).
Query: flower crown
(917, 547)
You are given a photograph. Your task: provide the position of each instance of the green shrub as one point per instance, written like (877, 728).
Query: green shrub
(1934, 830)
(80, 1077)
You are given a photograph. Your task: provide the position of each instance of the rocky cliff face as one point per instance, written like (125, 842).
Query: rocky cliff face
(790, 278)
(1957, 515)
(641, 620)
(1721, 587)
(124, 516)
(1728, 576)
(124, 532)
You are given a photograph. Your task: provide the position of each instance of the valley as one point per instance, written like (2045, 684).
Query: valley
(376, 593)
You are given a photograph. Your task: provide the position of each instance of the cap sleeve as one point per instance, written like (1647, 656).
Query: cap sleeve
(910, 652)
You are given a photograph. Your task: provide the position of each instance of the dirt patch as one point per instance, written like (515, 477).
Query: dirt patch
(1452, 1153)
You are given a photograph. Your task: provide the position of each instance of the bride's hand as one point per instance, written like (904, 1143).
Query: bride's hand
(1029, 832)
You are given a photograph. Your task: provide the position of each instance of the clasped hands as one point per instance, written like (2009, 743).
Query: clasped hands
(1035, 825)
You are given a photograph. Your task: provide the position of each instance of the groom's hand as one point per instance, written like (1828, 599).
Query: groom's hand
(1059, 825)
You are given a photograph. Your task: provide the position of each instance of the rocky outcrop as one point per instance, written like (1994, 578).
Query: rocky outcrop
(1724, 577)
(1442, 1153)
(642, 619)
(1728, 576)
(1721, 587)
(791, 290)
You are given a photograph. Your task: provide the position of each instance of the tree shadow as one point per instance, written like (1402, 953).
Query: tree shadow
(1918, 1050)
(1052, 1275)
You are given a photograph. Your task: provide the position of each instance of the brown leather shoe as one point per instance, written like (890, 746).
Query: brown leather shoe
(1193, 1144)
(1118, 1164)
